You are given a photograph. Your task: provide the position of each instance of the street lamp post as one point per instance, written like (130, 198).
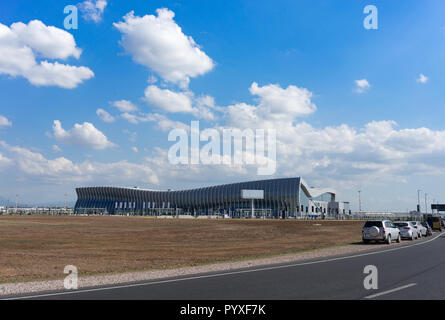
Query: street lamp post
(418, 201)
(359, 201)
(426, 206)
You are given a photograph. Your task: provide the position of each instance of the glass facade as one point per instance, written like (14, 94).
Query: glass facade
(282, 197)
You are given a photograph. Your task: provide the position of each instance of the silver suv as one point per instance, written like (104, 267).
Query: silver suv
(380, 230)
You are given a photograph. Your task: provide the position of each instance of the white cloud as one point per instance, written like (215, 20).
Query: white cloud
(105, 116)
(275, 106)
(57, 74)
(22, 44)
(4, 122)
(276, 101)
(56, 148)
(85, 135)
(132, 118)
(166, 124)
(33, 166)
(422, 78)
(181, 102)
(378, 151)
(162, 122)
(362, 85)
(134, 149)
(124, 106)
(4, 161)
(335, 155)
(168, 100)
(93, 10)
(158, 43)
(48, 41)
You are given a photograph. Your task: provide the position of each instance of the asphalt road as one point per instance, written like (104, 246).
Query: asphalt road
(412, 271)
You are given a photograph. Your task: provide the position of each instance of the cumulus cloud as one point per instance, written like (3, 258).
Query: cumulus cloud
(21, 45)
(275, 105)
(105, 116)
(422, 78)
(85, 135)
(362, 85)
(167, 100)
(377, 151)
(162, 122)
(49, 41)
(181, 102)
(57, 74)
(277, 101)
(124, 106)
(331, 155)
(34, 166)
(158, 43)
(92, 10)
(4, 122)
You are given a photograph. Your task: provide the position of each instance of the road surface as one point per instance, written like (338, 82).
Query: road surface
(412, 271)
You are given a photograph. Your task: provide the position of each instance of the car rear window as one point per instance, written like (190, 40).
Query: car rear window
(370, 224)
(401, 224)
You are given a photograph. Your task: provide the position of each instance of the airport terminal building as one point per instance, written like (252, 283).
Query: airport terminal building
(286, 198)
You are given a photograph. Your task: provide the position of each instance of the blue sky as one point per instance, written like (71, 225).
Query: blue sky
(321, 46)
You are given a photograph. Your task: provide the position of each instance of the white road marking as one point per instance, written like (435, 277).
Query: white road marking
(390, 291)
(220, 274)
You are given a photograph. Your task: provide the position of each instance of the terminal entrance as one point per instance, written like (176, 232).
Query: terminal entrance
(247, 213)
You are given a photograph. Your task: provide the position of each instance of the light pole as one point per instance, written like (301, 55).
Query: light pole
(418, 202)
(426, 206)
(359, 201)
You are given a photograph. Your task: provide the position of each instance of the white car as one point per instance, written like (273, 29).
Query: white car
(422, 230)
(380, 230)
(407, 230)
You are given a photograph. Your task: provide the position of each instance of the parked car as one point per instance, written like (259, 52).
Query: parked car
(380, 230)
(428, 228)
(407, 230)
(422, 230)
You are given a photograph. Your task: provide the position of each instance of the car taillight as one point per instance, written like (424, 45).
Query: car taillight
(407, 228)
(383, 231)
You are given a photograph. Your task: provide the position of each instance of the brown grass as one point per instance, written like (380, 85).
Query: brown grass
(38, 247)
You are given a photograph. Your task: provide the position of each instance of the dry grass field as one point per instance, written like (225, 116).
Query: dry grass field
(38, 247)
